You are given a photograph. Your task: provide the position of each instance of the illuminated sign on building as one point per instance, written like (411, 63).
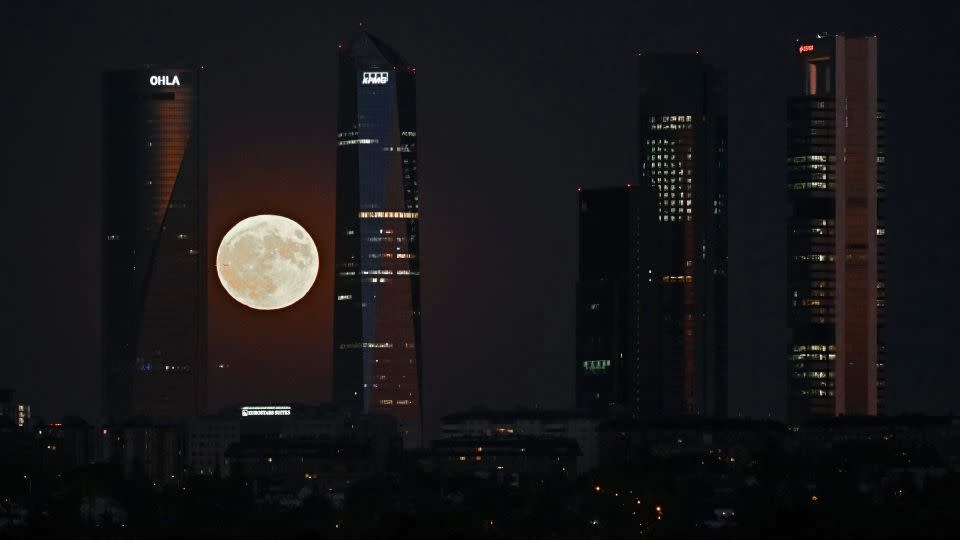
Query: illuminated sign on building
(164, 80)
(806, 48)
(596, 365)
(375, 77)
(266, 410)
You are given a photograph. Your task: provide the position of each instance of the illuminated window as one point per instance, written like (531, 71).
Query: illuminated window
(349, 142)
(390, 215)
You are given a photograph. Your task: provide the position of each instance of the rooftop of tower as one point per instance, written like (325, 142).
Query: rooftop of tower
(367, 49)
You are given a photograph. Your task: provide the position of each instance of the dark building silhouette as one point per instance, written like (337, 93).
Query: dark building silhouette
(154, 245)
(836, 235)
(616, 299)
(652, 294)
(377, 355)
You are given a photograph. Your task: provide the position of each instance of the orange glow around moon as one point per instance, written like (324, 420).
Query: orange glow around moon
(267, 262)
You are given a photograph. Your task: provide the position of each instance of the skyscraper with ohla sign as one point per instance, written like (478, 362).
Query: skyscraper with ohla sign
(153, 245)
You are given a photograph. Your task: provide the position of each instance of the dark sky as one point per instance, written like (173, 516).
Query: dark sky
(519, 103)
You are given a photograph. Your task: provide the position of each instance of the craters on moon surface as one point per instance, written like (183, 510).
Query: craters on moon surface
(267, 262)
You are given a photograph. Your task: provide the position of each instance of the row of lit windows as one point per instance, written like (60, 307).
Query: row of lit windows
(670, 126)
(810, 167)
(814, 348)
(389, 272)
(390, 215)
(813, 374)
(667, 157)
(816, 231)
(365, 345)
(391, 256)
(399, 402)
(815, 257)
(676, 279)
(816, 393)
(812, 357)
(666, 118)
(401, 148)
(674, 218)
(800, 186)
(384, 239)
(349, 142)
(820, 293)
(815, 158)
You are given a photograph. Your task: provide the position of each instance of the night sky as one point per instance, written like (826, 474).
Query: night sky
(519, 103)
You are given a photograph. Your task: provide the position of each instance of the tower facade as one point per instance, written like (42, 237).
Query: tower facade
(652, 289)
(617, 326)
(377, 343)
(154, 249)
(836, 235)
(683, 159)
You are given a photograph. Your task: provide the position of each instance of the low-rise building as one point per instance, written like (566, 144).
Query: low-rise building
(507, 458)
(254, 428)
(579, 426)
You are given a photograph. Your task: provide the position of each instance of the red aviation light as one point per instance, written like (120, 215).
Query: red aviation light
(805, 48)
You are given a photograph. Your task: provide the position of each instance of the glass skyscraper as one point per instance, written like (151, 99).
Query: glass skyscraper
(616, 299)
(376, 328)
(683, 159)
(836, 236)
(652, 290)
(154, 245)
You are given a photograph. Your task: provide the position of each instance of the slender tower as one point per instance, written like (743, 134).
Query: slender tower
(154, 245)
(835, 189)
(683, 159)
(376, 328)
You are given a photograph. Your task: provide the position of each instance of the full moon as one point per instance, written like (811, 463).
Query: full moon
(267, 262)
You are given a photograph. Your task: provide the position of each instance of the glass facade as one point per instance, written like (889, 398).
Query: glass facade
(616, 297)
(836, 243)
(377, 276)
(652, 288)
(154, 245)
(683, 159)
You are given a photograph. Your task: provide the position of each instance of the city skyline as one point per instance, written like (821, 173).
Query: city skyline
(537, 395)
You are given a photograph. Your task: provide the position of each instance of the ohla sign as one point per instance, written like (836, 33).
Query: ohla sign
(375, 77)
(164, 80)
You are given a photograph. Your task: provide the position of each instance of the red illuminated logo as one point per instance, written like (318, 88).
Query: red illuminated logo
(806, 48)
